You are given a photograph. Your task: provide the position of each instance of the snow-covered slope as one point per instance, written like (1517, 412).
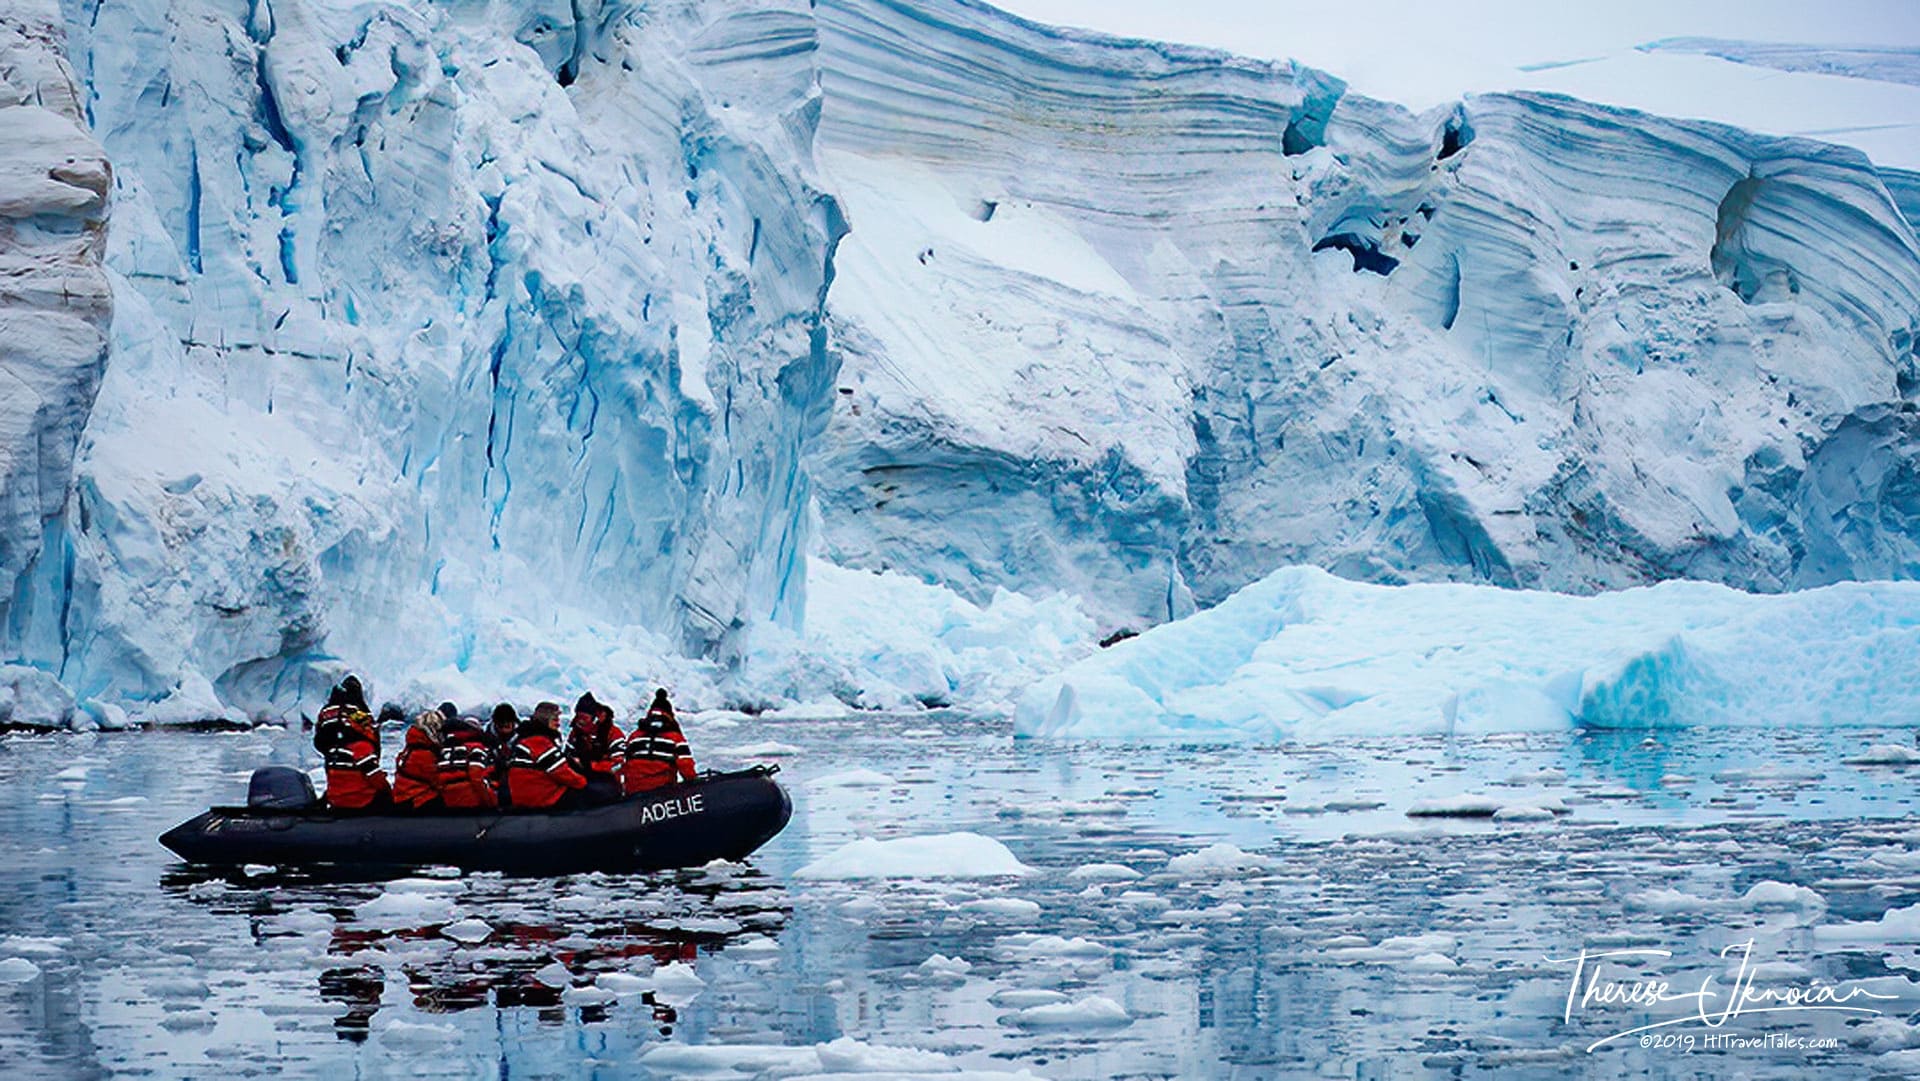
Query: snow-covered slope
(511, 344)
(1302, 654)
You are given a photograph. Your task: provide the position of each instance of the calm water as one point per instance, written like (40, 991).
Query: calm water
(1353, 942)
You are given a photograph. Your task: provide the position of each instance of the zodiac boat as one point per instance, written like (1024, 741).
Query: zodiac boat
(716, 816)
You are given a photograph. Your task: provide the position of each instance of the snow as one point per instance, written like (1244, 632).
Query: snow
(772, 380)
(1633, 54)
(943, 855)
(1304, 654)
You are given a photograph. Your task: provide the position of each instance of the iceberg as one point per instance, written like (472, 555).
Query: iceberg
(1304, 655)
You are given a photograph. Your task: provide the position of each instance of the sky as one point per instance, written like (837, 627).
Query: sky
(1411, 52)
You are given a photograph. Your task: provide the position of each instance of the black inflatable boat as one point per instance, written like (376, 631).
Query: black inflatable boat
(717, 816)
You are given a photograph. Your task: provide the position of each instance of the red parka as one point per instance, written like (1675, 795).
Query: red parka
(538, 774)
(466, 770)
(416, 775)
(349, 746)
(656, 753)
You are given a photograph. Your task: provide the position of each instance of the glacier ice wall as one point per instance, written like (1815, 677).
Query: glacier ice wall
(478, 338)
(1152, 321)
(55, 305)
(434, 315)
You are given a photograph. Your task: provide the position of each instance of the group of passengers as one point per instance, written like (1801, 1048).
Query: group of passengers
(455, 761)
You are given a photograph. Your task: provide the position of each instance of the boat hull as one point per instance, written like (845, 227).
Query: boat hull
(718, 816)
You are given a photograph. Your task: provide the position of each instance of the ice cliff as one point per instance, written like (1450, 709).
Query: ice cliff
(54, 310)
(498, 344)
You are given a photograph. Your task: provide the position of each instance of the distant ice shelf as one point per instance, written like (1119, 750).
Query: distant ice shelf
(1304, 655)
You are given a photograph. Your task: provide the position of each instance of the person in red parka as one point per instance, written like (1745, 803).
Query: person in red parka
(595, 746)
(349, 745)
(538, 778)
(466, 764)
(416, 774)
(656, 752)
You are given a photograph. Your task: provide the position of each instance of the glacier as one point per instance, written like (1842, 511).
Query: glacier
(1303, 655)
(484, 346)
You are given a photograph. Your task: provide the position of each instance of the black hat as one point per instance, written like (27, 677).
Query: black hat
(449, 711)
(356, 695)
(505, 714)
(659, 695)
(588, 705)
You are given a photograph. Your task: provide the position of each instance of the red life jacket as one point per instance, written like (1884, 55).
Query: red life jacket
(350, 748)
(656, 754)
(466, 771)
(416, 775)
(538, 774)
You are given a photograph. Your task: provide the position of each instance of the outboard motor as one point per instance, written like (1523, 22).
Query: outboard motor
(280, 788)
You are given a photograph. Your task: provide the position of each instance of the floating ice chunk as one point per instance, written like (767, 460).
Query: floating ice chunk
(1898, 925)
(1020, 998)
(1782, 896)
(730, 1060)
(623, 984)
(1885, 754)
(468, 931)
(753, 947)
(18, 970)
(1215, 859)
(1896, 861)
(303, 921)
(677, 978)
(942, 855)
(399, 908)
(73, 775)
(554, 974)
(1397, 949)
(255, 870)
(1012, 909)
(588, 996)
(942, 965)
(1666, 901)
(848, 1055)
(1524, 812)
(1459, 658)
(1094, 1011)
(1432, 962)
(1104, 872)
(1026, 946)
